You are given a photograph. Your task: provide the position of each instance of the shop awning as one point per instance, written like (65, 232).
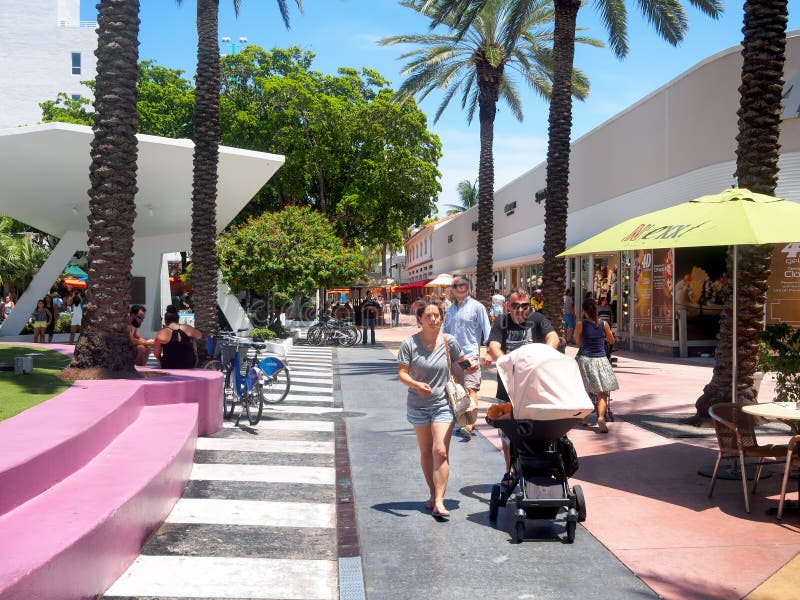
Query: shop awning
(410, 286)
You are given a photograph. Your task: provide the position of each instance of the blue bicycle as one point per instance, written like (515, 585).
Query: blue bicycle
(249, 380)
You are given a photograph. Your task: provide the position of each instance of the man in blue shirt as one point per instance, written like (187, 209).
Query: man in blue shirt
(467, 321)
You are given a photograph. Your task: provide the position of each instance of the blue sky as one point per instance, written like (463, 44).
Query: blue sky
(344, 32)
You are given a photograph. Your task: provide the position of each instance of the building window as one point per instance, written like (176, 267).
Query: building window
(76, 63)
(75, 97)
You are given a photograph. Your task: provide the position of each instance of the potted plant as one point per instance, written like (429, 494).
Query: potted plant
(779, 353)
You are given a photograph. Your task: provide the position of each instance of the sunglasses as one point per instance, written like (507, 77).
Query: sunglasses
(517, 305)
(459, 285)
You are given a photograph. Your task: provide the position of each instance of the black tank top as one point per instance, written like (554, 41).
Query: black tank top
(178, 353)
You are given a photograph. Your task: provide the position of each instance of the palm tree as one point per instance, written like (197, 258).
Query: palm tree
(477, 66)
(669, 20)
(468, 194)
(206, 160)
(757, 152)
(104, 340)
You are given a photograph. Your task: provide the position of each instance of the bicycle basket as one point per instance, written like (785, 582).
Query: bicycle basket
(271, 365)
(226, 353)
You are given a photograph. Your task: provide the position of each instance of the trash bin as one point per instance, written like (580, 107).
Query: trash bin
(23, 364)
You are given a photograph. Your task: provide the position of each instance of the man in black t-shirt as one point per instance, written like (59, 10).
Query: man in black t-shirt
(516, 328)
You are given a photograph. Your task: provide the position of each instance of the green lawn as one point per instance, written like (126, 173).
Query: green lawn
(18, 392)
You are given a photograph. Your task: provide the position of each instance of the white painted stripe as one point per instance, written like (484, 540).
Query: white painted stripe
(313, 353)
(266, 473)
(311, 376)
(253, 512)
(300, 410)
(223, 577)
(310, 388)
(309, 365)
(285, 425)
(246, 445)
(309, 398)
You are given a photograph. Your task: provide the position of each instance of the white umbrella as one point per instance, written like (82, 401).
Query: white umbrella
(443, 280)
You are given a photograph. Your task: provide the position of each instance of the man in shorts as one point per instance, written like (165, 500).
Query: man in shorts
(518, 327)
(467, 321)
(569, 315)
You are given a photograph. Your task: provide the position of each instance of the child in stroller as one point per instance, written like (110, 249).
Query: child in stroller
(547, 400)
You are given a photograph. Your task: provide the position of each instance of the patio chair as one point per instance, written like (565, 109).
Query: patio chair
(737, 440)
(792, 459)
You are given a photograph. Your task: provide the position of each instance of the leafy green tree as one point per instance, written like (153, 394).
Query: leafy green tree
(206, 159)
(757, 153)
(20, 257)
(467, 194)
(364, 161)
(669, 20)
(478, 67)
(104, 341)
(285, 253)
(165, 103)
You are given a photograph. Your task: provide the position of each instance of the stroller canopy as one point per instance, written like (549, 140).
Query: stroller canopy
(543, 384)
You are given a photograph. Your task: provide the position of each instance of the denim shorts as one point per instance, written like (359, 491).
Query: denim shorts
(441, 413)
(569, 321)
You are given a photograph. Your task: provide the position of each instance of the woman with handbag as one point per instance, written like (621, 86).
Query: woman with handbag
(592, 334)
(424, 367)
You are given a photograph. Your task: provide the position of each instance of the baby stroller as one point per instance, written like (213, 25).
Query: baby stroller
(547, 400)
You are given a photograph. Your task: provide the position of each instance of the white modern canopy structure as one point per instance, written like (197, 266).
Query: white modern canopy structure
(44, 171)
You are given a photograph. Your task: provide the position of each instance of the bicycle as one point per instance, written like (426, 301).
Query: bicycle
(330, 329)
(250, 380)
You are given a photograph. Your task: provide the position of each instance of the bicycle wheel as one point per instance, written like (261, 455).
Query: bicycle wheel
(253, 403)
(212, 365)
(315, 335)
(275, 388)
(228, 395)
(349, 336)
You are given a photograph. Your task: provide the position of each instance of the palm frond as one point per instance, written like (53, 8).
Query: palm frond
(667, 17)
(614, 16)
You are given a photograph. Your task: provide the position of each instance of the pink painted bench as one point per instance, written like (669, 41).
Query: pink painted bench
(87, 476)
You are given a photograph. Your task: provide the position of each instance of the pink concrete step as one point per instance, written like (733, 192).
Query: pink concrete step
(46, 443)
(77, 536)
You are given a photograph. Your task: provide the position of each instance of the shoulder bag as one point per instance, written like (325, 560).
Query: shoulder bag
(465, 409)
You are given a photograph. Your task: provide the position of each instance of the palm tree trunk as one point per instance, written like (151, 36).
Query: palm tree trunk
(487, 101)
(104, 341)
(757, 152)
(206, 159)
(558, 151)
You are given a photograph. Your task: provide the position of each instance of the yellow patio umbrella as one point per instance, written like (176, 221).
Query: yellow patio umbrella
(731, 218)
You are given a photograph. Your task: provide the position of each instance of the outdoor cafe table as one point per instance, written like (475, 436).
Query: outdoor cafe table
(789, 414)
(783, 411)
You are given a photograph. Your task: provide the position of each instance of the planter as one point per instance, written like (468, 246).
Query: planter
(280, 347)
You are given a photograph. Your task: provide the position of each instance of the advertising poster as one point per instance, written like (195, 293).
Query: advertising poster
(700, 289)
(643, 293)
(662, 293)
(783, 295)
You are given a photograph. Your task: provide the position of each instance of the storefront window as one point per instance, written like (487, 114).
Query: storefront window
(531, 277)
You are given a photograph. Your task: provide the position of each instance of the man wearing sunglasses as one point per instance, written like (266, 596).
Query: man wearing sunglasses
(142, 345)
(467, 321)
(516, 328)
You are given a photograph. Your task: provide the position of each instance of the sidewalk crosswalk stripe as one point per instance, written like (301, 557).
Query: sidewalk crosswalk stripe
(253, 512)
(309, 388)
(244, 445)
(300, 410)
(282, 425)
(225, 577)
(269, 473)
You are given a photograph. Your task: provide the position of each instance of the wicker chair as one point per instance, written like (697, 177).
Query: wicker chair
(737, 440)
(792, 459)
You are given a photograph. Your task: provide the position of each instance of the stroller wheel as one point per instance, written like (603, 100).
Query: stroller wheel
(580, 503)
(519, 531)
(571, 526)
(494, 503)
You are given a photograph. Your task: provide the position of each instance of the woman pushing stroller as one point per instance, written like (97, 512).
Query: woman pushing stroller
(424, 367)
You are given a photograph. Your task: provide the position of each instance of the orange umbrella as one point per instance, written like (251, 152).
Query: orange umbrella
(74, 283)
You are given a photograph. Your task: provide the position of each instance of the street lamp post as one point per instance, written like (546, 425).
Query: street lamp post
(227, 41)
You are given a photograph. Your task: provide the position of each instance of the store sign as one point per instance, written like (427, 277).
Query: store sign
(643, 293)
(783, 295)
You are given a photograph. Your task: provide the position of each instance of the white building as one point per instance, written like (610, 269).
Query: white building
(46, 50)
(676, 144)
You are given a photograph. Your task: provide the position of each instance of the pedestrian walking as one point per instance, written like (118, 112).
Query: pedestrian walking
(592, 334)
(370, 310)
(77, 316)
(466, 320)
(518, 327)
(52, 317)
(498, 302)
(423, 368)
(394, 306)
(569, 315)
